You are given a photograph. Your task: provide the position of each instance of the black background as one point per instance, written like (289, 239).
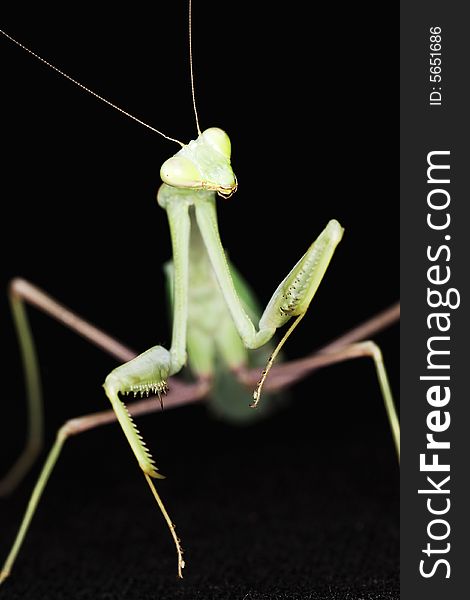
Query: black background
(304, 505)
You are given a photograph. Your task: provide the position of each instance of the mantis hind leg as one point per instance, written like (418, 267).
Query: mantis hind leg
(22, 292)
(368, 348)
(33, 501)
(345, 348)
(35, 433)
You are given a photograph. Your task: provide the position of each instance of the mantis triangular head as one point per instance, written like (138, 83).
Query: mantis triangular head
(203, 164)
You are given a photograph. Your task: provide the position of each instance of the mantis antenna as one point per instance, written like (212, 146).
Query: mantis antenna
(86, 89)
(191, 67)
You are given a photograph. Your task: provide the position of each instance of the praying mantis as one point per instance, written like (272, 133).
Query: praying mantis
(139, 281)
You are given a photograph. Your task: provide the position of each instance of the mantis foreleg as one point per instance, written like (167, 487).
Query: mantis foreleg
(149, 371)
(18, 292)
(291, 298)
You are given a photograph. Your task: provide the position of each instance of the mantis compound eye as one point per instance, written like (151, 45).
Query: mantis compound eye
(179, 171)
(219, 140)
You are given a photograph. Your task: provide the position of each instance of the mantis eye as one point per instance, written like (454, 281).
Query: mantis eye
(179, 171)
(219, 140)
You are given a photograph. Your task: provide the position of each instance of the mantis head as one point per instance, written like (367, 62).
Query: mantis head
(203, 164)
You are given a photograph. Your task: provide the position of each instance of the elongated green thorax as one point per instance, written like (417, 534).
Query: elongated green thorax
(203, 164)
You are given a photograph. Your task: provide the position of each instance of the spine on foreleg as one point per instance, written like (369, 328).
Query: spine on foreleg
(303, 281)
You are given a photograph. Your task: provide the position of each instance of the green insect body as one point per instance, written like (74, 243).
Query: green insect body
(209, 318)
(215, 350)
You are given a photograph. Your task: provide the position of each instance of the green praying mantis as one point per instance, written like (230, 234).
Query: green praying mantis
(215, 318)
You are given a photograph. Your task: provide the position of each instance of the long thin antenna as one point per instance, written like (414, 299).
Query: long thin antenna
(191, 67)
(83, 87)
